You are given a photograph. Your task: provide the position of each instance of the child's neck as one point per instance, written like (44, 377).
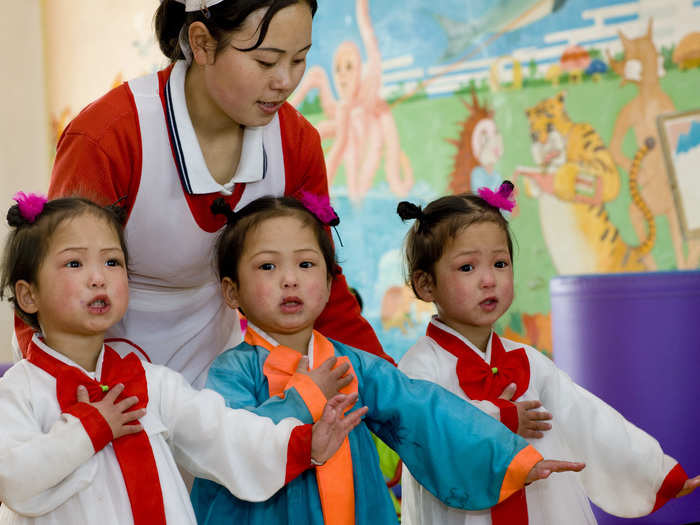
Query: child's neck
(298, 342)
(477, 335)
(81, 349)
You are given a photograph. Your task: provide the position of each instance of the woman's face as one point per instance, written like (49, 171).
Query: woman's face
(251, 86)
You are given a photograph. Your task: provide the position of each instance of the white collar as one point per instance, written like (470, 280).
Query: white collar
(486, 356)
(38, 341)
(272, 341)
(193, 169)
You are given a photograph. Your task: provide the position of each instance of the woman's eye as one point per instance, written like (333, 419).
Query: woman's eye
(266, 65)
(466, 268)
(267, 266)
(73, 264)
(306, 264)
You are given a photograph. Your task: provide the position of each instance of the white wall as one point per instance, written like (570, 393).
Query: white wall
(24, 130)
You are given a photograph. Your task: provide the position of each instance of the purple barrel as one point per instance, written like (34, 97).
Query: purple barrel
(634, 341)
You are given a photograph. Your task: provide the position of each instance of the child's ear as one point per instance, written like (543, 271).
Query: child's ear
(423, 284)
(26, 297)
(230, 291)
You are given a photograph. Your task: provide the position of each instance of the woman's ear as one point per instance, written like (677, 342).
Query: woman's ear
(423, 285)
(202, 44)
(26, 297)
(230, 291)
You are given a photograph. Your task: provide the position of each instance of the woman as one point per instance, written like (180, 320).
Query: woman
(214, 123)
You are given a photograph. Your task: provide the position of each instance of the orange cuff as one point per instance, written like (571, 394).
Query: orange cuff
(310, 393)
(518, 470)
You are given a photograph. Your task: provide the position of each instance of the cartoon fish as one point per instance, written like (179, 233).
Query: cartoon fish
(502, 16)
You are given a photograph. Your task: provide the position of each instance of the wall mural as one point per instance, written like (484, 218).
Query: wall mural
(589, 107)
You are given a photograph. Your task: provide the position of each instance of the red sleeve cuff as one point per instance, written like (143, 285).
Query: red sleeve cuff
(298, 452)
(671, 486)
(95, 425)
(509, 413)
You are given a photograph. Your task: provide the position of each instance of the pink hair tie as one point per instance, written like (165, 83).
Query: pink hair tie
(320, 206)
(501, 198)
(30, 205)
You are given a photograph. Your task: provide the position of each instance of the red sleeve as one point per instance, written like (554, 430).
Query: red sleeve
(95, 425)
(99, 153)
(298, 452)
(305, 170)
(671, 486)
(509, 413)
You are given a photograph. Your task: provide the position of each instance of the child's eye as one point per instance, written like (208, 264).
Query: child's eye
(466, 268)
(306, 264)
(267, 266)
(73, 264)
(501, 264)
(114, 262)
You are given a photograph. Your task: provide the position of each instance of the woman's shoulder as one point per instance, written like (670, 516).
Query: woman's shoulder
(113, 109)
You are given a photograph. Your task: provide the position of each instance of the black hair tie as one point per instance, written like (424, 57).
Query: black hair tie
(408, 210)
(221, 207)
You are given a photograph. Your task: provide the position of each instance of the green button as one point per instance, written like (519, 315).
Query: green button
(494, 370)
(104, 388)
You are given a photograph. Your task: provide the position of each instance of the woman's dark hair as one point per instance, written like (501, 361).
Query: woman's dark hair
(220, 19)
(440, 222)
(230, 244)
(27, 244)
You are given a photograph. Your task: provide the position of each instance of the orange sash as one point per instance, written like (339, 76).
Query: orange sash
(335, 480)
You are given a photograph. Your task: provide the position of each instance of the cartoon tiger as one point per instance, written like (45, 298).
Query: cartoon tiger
(575, 178)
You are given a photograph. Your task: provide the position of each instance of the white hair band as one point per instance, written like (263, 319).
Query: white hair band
(198, 5)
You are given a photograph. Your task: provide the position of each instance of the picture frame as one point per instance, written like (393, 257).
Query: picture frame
(679, 134)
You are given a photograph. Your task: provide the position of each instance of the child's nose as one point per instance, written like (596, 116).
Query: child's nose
(488, 278)
(97, 279)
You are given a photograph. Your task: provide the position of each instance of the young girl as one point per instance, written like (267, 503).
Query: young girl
(88, 436)
(275, 259)
(460, 256)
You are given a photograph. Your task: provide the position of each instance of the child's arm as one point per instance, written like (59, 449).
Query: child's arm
(521, 417)
(36, 466)
(627, 472)
(462, 456)
(250, 455)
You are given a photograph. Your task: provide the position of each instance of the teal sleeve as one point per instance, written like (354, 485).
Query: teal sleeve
(454, 450)
(237, 375)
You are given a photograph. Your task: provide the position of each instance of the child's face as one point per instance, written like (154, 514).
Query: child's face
(82, 286)
(283, 281)
(473, 280)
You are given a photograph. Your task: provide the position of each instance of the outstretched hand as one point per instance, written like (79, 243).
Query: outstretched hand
(116, 414)
(531, 422)
(689, 486)
(330, 430)
(327, 378)
(544, 468)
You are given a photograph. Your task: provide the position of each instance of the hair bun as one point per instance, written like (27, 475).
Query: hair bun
(408, 210)
(221, 207)
(15, 217)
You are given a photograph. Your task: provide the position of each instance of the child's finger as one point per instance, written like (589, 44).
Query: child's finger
(82, 394)
(530, 405)
(539, 415)
(344, 381)
(114, 392)
(133, 415)
(130, 429)
(126, 404)
(328, 364)
(342, 401)
(508, 392)
(689, 486)
(340, 370)
(354, 418)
